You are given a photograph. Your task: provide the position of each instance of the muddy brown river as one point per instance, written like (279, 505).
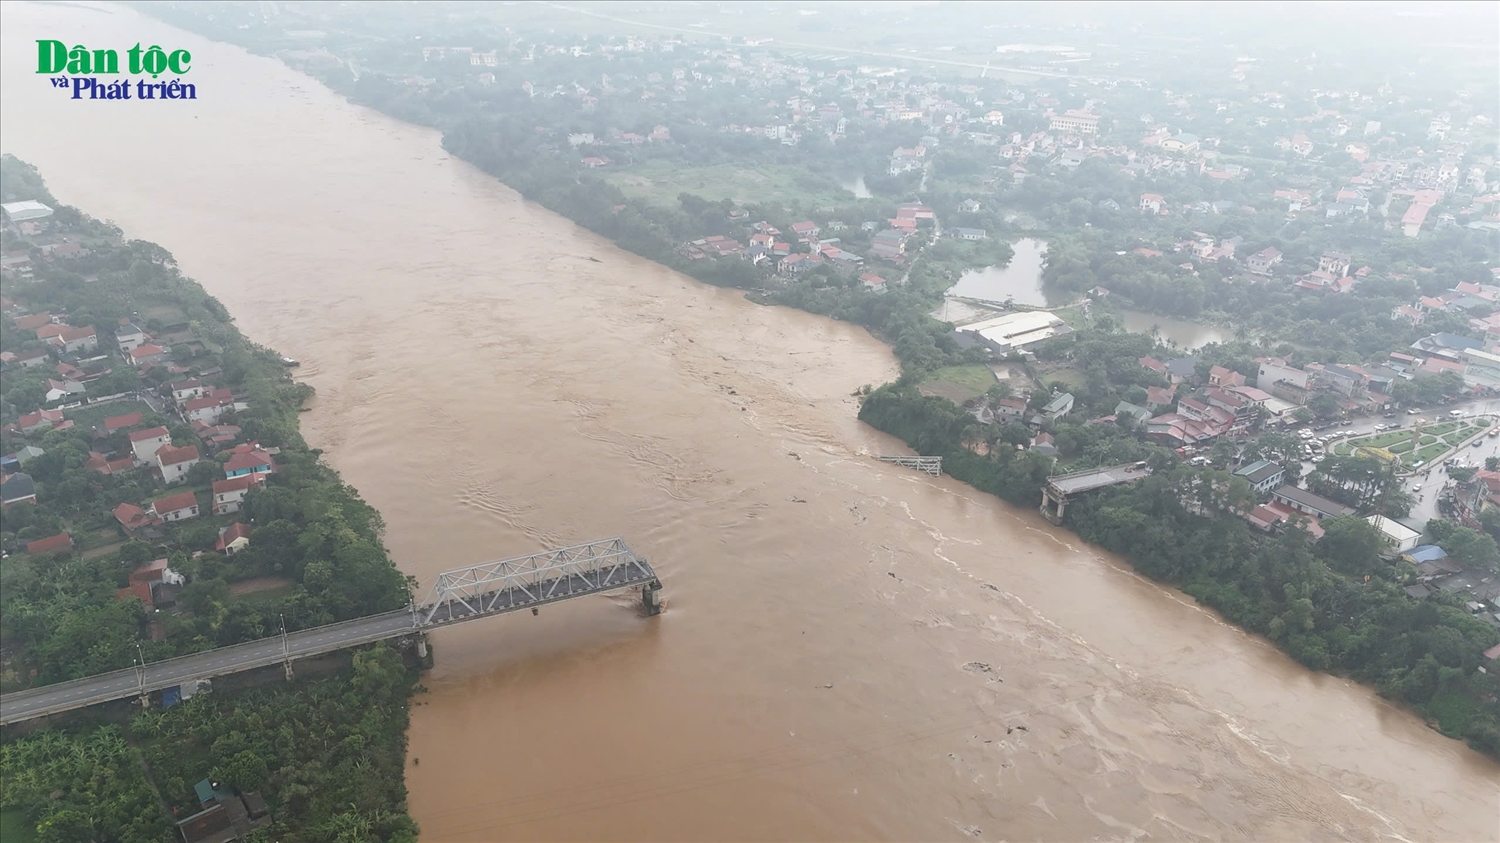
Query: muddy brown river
(850, 650)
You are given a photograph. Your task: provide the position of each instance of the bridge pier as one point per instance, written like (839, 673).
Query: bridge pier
(422, 647)
(1052, 508)
(651, 597)
(288, 665)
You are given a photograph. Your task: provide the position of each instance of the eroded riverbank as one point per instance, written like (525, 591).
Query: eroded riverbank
(849, 649)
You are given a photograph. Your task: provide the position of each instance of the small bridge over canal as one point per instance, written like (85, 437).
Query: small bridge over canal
(1064, 487)
(465, 594)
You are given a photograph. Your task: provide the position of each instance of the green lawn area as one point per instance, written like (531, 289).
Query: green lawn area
(1071, 377)
(15, 828)
(1428, 453)
(1071, 315)
(660, 183)
(960, 383)
(94, 415)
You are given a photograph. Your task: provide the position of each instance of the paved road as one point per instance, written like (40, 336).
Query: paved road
(266, 651)
(1432, 477)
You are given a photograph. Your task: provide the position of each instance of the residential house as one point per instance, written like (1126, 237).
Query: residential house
(59, 390)
(1152, 202)
(39, 421)
(805, 230)
(1345, 380)
(1154, 365)
(1398, 538)
(1059, 406)
(1261, 262)
(1158, 397)
(1043, 443)
(1305, 501)
(1009, 410)
(75, 340)
(104, 465)
(176, 462)
(1220, 376)
(32, 358)
(17, 488)
(128, 337)
(1181, 370)
(970, 233)
(147, 355)
(60, 543)
(1281, 379)
(1139, 414)
(1262, 475)
(206, 410)
(176, 507)
(233, 539)
(184, 390)
(229, 494)
(145, 443)
(872, 282)
(248, 459)
(1334, 263)
(132, 518)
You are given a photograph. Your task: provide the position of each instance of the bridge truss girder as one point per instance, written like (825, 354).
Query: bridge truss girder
(592, 567)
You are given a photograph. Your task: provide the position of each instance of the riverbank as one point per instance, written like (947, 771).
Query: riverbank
(64, 618)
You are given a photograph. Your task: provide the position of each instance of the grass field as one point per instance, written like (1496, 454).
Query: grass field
(94, 415)
(960, 383)
(660, 183)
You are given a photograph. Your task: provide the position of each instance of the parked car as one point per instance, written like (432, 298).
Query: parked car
(1412, 411)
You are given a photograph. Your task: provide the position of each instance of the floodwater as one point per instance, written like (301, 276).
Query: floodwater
(850, 650)
(1184, 334)
(1020, 280)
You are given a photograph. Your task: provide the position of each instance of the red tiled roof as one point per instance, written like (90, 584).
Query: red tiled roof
(130, 515)
(140, 591)
(61, 541)
(147, 350)
(235, 484)
(231, 533)
(116, 422)
(174, 503)
(149, 433)
(247, 460)
(168, 455)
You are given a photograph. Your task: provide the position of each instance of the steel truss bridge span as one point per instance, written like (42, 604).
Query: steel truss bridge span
(464, 594)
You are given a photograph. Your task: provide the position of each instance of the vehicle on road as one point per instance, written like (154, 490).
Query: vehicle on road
(1412, 411)
(1494, 432)
(1417, 488)
(1378, 428)
(1477, 443)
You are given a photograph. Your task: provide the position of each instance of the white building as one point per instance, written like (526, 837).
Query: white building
(1398, 537)
(145, 443)
(1015, 331)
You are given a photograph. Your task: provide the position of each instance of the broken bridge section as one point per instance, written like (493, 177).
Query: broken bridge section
(931, 465)
(1060, 489)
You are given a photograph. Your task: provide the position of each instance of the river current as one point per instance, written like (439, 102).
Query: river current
(850, 650)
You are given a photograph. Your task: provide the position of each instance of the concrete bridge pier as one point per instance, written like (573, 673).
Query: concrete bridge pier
(421, 646)
(288, 665)
(651, 597)
(1053, 506)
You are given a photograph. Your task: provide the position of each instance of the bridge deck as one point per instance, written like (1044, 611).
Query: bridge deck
(562, 574)
(1097, 478)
